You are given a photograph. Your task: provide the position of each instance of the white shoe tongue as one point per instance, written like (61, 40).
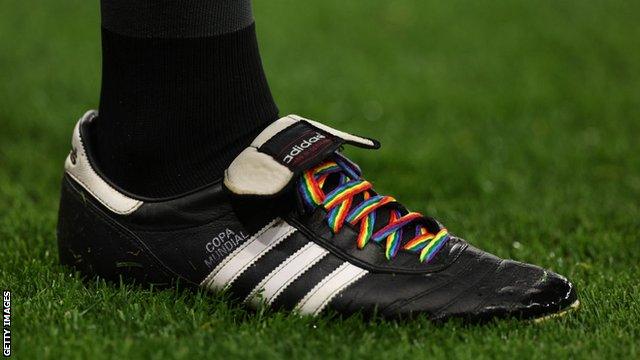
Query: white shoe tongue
(284, 150)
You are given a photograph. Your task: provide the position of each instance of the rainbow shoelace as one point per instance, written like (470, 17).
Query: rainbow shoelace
(339, 205)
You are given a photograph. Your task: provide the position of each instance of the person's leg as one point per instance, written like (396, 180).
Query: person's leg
(293, 226)
(183, 92)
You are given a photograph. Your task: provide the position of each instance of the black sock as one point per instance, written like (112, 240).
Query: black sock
(183, 92)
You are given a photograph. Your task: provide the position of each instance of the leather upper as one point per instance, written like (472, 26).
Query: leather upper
(190, 235)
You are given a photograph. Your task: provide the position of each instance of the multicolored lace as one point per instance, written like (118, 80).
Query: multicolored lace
(339, 202)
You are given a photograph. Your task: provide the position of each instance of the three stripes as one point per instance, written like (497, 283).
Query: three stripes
(271, 286)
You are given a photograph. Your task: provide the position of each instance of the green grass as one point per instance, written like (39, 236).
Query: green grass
(516, 123)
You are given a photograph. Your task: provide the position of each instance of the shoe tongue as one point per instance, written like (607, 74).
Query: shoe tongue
(283, 151)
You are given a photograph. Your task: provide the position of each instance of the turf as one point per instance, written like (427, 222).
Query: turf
(516, 123)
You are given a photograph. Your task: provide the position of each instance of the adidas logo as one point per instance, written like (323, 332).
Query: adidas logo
(299, 148)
